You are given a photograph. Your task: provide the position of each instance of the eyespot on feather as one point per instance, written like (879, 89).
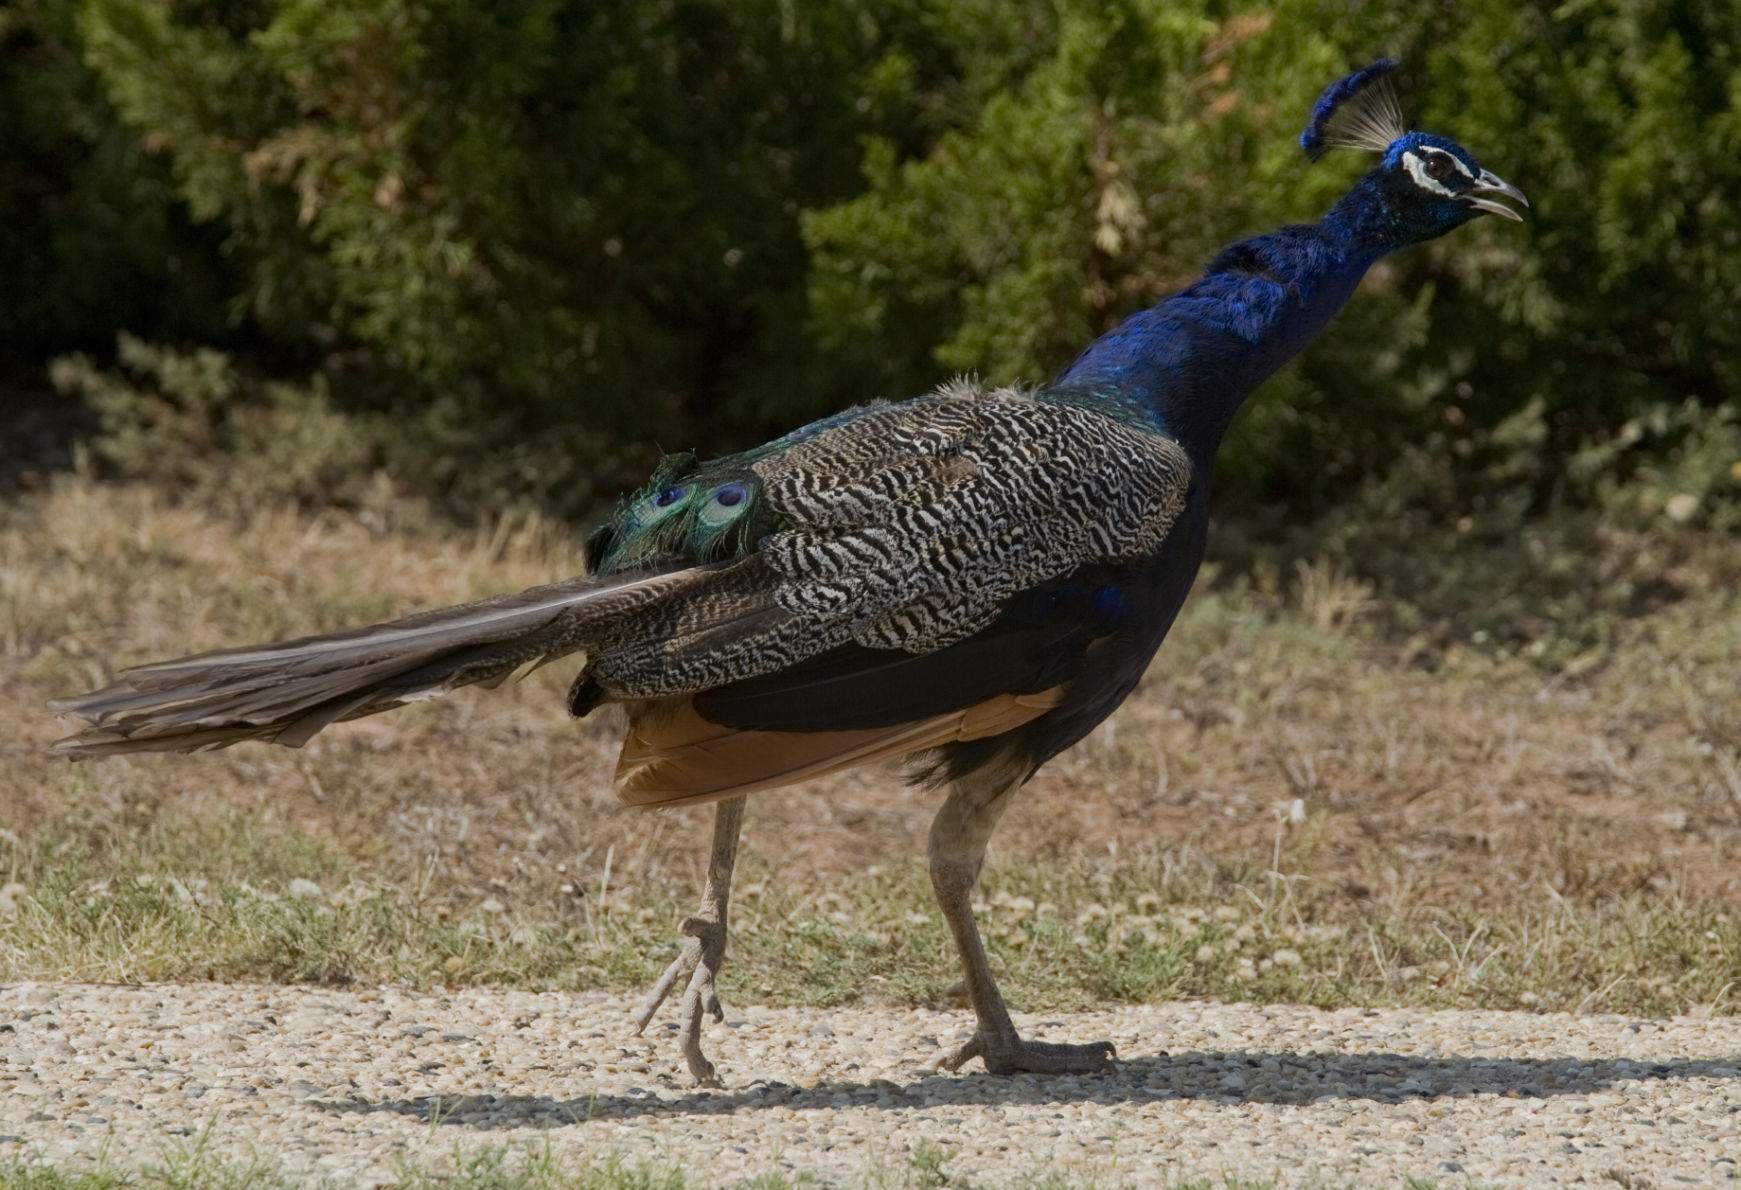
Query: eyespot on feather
(657, 508)
(1357, 111)
(726, 504)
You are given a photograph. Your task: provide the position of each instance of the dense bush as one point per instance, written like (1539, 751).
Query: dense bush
(1106, 149)
(515, 236)
(93, 236)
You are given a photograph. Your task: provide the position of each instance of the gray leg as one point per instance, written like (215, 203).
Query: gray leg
(957, 852)
(704, 952)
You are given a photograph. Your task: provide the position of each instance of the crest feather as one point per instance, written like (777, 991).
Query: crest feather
(1356, 112)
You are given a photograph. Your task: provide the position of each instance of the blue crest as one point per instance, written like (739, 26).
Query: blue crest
(1359, 111)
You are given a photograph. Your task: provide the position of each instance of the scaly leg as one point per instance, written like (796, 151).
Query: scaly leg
(957, 852)
(704, 952)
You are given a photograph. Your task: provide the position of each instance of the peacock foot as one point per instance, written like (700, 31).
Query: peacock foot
(699, 962)
(1007, 1053)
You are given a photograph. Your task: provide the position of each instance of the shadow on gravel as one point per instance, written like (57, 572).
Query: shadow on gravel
(1233, 1078)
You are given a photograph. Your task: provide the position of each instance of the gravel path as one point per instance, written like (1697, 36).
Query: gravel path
(342, 1083)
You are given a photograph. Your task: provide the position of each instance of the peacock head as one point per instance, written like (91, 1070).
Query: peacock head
(1426, 184)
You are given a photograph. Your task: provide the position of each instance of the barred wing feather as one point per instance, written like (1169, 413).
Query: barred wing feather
(904, 527)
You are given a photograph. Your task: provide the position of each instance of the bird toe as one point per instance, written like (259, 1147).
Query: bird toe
(1012, 1055)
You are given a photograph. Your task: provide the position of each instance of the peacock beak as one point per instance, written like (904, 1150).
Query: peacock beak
(1490, 183)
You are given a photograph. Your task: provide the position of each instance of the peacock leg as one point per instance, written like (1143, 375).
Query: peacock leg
(704, 951)
(959, 834)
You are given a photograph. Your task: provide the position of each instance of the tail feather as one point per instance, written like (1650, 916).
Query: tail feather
(288, 691)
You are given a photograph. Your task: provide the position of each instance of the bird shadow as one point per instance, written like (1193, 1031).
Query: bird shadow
(1229, 1077)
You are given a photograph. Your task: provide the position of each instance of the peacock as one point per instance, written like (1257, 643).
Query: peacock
(970, 580)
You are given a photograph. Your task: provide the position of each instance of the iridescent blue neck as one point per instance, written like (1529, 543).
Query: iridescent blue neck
(1188, 363)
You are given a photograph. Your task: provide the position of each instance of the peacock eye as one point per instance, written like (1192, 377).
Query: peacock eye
(730, 496)
(669, 496)
(1438, 167)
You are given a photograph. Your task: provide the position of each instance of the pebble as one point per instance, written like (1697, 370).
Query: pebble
(350, 1086)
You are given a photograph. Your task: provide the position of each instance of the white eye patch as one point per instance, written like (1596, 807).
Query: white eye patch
(1417, 167)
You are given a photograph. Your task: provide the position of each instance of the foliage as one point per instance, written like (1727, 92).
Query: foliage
(524, 231)
(513, 238)
(532, 226)
(93, 237)
(1108, 148)
(188, 418)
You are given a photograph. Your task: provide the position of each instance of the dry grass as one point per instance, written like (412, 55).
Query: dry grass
(1288, 787)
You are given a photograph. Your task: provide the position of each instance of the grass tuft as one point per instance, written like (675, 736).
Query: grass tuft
(541, 1167)
(1302, 802)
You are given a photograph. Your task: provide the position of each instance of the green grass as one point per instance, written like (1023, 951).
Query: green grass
(529, 1168)
(1139, 928)
(540, 1167)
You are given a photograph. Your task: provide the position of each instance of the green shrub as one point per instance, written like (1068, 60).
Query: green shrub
(93, 235)
(198, 426)
(540, 216)
(1100, 152)
(531, 235)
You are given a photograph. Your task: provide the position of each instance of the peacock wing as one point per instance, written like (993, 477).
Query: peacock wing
(909, 528)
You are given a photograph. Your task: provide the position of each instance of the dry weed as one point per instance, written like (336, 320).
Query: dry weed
(1290, 759)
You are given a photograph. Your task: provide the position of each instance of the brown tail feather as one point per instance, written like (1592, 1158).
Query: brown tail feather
(286, 692)
(671, 755)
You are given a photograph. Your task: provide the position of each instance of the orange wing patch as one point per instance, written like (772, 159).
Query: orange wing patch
(671, 755)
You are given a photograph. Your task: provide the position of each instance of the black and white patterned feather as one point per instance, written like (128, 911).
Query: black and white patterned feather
(901, 527)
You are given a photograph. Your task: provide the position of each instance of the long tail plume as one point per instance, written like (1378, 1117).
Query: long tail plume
(286, 692)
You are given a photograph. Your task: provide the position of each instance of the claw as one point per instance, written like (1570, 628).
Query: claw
(680, 968)
(1012, 1055)
(699, 960)
(973, 1049)
(698, 998)
(703, 950)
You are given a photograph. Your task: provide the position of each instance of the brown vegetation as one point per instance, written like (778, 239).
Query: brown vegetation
(1280, 746)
